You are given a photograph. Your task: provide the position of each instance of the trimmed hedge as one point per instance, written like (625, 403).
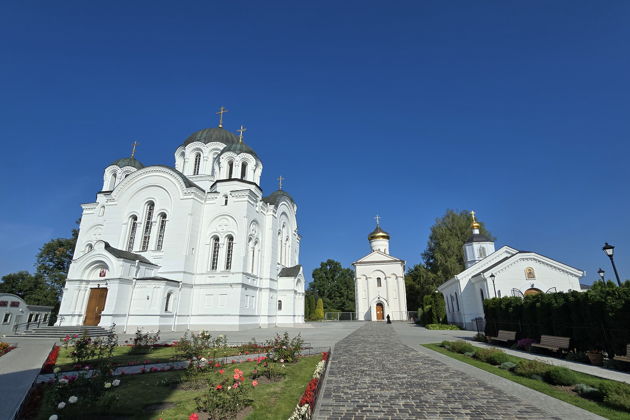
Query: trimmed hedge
(597, 318)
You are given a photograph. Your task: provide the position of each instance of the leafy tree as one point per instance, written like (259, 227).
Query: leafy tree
(419, 282)
(32, 288)
(334, 285)
(310, 306)
(319, 310)
(54, 258)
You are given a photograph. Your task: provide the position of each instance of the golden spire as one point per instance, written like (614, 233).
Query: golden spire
(280, 179)
(133, 149)
(220, 114)
(475, 224)
(241, 131)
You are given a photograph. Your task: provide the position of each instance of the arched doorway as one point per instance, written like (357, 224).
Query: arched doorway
(532, 291)
(380, 311)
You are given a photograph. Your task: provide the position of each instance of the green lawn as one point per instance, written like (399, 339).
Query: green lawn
(122, 356)
(553, 391)
(134, 396)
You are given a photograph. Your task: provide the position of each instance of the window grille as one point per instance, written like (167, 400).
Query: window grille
(146, 235)
(215, 254)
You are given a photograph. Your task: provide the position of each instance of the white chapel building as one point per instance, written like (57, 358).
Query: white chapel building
(380, 282)
(504, 272)
(194, 246)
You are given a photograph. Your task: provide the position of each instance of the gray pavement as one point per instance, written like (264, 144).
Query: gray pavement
(18, 370)
(380, 371)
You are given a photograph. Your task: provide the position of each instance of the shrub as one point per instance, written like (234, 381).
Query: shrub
(507, 365)
(577, 356)
(226, 396)
(462, 347)
(318, 315)
(144, 342)
(529, 368)
(470, 354)
(481, 337)
(525, 344)
(616, 394)
(441, 327)
(198, 345)
(492, 356)
(284, 349)
(589, 392)
(560, 376)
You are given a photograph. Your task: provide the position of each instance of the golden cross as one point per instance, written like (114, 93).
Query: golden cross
(280, 179)
(378, 220)
(241, 131)
(472, 213)
(133, 150)
(220, 114)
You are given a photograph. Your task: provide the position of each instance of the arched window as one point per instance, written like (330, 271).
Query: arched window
(482, 251)
(452, 304)
(243, 170)
(230, 169)
(214, 263)
(226, 200)
(197, 164)
(279, 305)
(279, 248)
(88, 248)
(229, 248)
(253, 258)
(169, 302)
(133, 225)
(457, 302)
(146, 233)
(378, 282)
(161, 230)
(112, 181)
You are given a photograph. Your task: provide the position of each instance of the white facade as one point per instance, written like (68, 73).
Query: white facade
(16, 313)
(516, 273)
(380, 282)
(191, 247)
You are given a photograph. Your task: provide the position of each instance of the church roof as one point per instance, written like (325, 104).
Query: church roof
(129, 161)
(125, 255)
(275, 196)
(238, 148)
(187, 182)
(478, 237)
(290, 271)
(210, 135)
(378, 233)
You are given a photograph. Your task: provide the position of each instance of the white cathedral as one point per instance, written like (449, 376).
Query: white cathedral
(187, 247)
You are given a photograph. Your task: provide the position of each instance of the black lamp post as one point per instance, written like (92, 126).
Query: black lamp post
(601, 274)
(610, 250)
(492, 277)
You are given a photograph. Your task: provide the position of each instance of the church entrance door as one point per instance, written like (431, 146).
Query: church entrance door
(96, 304)
(379, 311)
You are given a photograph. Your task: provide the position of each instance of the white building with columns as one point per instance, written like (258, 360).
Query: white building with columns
(192, 246)
(380, 282)
(504, 272)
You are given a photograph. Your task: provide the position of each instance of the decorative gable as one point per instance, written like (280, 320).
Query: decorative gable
(377, 257)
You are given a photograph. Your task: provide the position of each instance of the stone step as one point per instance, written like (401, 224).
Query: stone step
(61, 332)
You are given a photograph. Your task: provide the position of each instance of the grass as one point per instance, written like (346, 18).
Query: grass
(556, 392)
(441, 327)
(272, 401)
(122, 356)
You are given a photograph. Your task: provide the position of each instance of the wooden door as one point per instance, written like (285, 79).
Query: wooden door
(96, 304)
(379, 311)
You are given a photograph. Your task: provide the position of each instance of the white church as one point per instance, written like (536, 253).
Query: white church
(380, 282)
(504, 272)
(192, 246)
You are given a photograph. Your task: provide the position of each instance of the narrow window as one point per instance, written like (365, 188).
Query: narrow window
(482, 252)
(481, 291)
(161, 230)
(36, 317)
(112, 181)
(30, 318)
(499, 293)
(253, 258)
(279, 305)
(45, 317)
(225, 203)
(167, 305)
(6, 319)
(457, 302)
(452, 304)
(146, 235)
(378, 282)
(243, 170)
(228, 253)
(215, 254)
(197, 163)
(230, 169)
(133, 226)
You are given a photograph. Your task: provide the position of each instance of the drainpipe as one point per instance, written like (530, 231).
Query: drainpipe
(179, 299)
(133, 288)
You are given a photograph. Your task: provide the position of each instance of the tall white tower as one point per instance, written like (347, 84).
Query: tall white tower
(478, 246)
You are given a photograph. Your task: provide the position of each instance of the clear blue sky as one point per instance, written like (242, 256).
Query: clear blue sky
(518, 110)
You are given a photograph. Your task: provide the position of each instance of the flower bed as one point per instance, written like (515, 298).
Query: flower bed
(51, 360)
(306, 406)
(5, 348)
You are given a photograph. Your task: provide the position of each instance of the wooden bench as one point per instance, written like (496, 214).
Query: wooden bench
(625, 358)
(551, 342)
(505, 336)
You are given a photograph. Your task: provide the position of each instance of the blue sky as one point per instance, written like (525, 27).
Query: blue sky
(518, 110)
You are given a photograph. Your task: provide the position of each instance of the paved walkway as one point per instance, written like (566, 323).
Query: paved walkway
(18, 370)
(374, 375)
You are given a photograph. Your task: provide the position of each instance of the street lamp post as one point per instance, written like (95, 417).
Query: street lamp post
(601, 274)
(492, 277)
(610, 250)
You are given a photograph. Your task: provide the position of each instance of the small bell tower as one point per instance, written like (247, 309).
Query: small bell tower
(478, 246)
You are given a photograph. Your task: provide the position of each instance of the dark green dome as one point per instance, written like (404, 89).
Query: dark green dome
(128, 162)
(238, 148)
(275, 196)
(210, 135)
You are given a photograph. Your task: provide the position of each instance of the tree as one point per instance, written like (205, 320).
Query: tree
(334, 285)
(310, 306)
(419, 282)
(54, 258)
(32, 288)
(319, 310)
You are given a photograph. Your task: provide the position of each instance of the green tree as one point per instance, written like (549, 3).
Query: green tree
(319, 310)
(419, 282)
(334, 285)
(54, 258)
(32, 288)
(310, 305)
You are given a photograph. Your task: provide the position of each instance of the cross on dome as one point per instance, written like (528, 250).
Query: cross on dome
(280, 179)
(240, 133)
(220, 114)
(133, 149)
(378, 220)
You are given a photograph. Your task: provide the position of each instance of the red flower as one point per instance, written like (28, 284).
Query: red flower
(193, 416)
(254, 382)
(235, 385)
(236, 376)
(219, 387)
(221, 371)
(217, 365)
(249, 359)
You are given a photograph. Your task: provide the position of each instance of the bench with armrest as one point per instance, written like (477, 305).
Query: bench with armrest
(505, 336)
(625, 358)
(551, 342)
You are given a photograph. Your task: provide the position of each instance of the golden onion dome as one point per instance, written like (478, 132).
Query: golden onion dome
(378, 233)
